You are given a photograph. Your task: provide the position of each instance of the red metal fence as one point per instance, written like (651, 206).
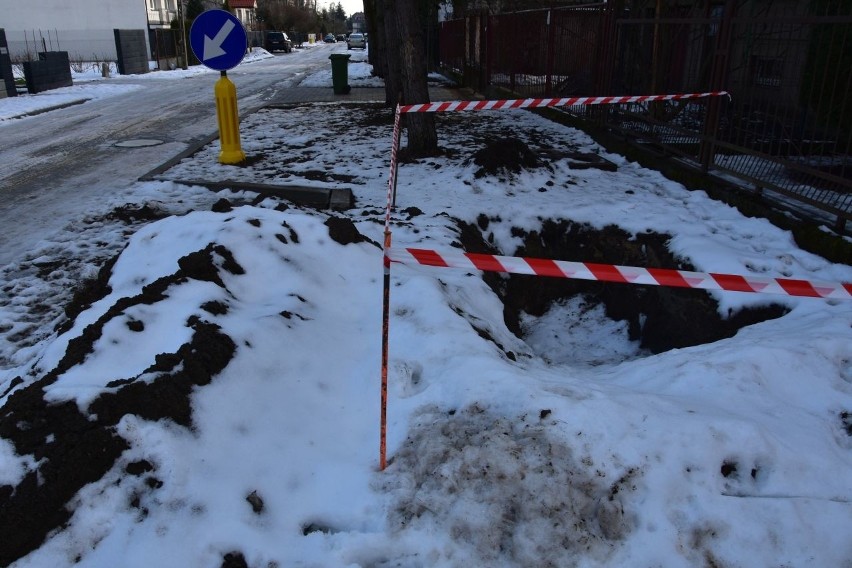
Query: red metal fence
(787, 129)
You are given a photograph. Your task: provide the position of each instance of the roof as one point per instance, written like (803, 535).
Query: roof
(251, 4)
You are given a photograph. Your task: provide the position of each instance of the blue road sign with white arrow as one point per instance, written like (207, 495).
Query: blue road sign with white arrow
(218, 39)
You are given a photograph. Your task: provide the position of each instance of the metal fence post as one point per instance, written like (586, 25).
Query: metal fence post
(490, 48)
(606, 60)
(718, 82)
(482, 55)
(551, 52)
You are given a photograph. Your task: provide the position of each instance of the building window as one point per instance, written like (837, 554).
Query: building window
(716, 13)
(766, 71)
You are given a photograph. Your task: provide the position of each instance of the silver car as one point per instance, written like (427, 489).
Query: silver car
(356, 40)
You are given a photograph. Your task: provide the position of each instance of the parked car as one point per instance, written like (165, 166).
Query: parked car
(356, 40)
(278, 41)
(329, 38)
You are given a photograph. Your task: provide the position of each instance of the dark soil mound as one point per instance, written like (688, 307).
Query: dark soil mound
(76, 448)
(505, 156)
(342, 230)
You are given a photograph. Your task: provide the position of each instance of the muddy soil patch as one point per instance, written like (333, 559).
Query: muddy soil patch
(660, 318)
(537, 502)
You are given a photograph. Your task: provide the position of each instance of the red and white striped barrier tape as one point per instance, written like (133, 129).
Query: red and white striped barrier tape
(623, 274)
(393, 167)
(450, 106)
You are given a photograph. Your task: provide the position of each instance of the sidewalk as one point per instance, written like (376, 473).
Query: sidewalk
(359, 94)
(311, 195)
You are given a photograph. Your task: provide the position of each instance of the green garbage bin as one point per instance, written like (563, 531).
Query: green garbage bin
(340, 73)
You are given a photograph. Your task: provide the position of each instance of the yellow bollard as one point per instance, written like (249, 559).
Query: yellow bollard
(229, 121)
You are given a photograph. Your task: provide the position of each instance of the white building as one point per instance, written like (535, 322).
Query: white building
(246, 12)
(83, 28)
(160, 13)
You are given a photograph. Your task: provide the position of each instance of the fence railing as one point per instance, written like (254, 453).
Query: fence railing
(786, 130)
(164, 45)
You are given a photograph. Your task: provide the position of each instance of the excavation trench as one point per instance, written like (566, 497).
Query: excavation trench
(659, 318)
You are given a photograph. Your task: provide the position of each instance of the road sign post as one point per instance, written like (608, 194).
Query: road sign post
(219, 41)
(229, 121)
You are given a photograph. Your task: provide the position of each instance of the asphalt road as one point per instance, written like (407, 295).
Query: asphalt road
(56, 165)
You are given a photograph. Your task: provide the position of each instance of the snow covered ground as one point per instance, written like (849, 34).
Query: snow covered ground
(581, 449)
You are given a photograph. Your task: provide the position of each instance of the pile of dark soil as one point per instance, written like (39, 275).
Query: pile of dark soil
(505, 157)
(76, 448)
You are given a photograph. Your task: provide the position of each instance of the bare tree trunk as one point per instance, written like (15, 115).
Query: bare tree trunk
(393, 77)
(376, 55)
(397, 41)
(411, 53)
